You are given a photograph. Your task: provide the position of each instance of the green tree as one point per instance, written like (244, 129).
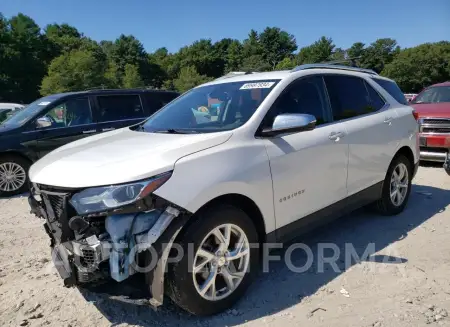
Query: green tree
(24, 59)
(201, 55)
(276, 45)
(113, 77)
(234, 56)
(286, 63)
(356, 50)
(189, 78)
(380, 53)
(420, 66)
(131, 77)
(63, 38)
(255, 63)
(319, 51)
(74, 71)
(251, 45)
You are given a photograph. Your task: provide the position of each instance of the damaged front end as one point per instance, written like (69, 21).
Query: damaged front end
(109, 233)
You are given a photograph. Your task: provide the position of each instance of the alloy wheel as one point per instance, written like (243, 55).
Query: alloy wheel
(399, 184)
(12, 176)
(221, 262)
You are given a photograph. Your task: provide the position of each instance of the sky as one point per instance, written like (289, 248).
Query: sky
(176, 23)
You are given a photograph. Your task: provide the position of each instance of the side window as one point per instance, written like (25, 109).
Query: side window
(119, 107)
(392, 88)
(304, 96)
(157, 100)
(348, 96)
(73, 112)
(375, 98)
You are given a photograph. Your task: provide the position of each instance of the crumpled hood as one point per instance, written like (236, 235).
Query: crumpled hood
(119, 156)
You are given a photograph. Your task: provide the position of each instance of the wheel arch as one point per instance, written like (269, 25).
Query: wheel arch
(407, 152)
(245, 204)
(16, 154)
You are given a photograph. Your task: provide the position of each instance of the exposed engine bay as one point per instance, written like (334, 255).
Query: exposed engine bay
(113, 244)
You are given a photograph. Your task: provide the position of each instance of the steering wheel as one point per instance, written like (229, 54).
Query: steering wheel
(51, 119)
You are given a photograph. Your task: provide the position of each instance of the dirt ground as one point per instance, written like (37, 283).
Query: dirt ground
(404, 282)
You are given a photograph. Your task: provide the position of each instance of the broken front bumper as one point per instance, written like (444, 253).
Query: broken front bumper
(123, 247)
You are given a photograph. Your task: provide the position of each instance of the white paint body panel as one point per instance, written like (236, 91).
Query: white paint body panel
(118, 157)
(311, 164)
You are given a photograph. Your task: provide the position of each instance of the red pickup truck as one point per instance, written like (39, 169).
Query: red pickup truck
(432, 111)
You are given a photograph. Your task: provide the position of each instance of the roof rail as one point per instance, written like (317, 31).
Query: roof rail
(331, 66)
(232, 74)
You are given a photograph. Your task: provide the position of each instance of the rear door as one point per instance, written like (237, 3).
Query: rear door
(370, 126)
(118, 110)
(70, 120)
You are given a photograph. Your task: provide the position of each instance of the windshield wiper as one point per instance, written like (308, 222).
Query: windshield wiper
(175, 131)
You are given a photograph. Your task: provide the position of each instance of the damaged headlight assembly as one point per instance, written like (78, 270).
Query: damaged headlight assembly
(106, 198)
(128, 233)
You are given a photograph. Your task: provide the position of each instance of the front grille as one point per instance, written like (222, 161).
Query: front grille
(57, 203)
(435, 130)
(436, 121)
(435, 125)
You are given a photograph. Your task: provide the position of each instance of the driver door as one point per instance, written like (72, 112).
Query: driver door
(71, 120)
(309, 169)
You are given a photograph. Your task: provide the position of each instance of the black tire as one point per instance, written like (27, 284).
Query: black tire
(385, 205)
(25, 164)
(180, 284)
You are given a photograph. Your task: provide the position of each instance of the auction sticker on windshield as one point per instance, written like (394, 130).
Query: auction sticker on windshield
(259, 85)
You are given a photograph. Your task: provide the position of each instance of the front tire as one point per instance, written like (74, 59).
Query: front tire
(222, 265)
(396, 187)
(13, 175)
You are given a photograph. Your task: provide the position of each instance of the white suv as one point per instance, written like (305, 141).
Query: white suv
(246, 159)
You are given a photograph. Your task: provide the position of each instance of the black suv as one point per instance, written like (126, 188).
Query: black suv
(58, 119)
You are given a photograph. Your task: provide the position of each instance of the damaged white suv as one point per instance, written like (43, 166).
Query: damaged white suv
(247, 159)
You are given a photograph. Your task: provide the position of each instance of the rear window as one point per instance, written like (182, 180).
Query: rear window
(393, 89)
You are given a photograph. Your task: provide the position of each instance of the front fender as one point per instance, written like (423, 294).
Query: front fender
(231, 168)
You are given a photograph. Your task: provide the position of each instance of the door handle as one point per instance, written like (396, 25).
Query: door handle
(335, 136)
(387, 120)
(108, 129)
(89, 131)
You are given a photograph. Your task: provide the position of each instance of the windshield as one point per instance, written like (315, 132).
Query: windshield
(434, 94)
(212, 108)
(25, 114)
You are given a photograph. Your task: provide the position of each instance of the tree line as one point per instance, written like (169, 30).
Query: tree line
(59, 58)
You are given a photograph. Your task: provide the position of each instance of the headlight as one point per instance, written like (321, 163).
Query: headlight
(109, 197)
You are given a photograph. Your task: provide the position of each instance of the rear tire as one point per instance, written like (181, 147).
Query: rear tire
(13, 175)
(190, 290)
(396, 187)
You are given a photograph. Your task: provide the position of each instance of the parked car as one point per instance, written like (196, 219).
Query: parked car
(8, 109)
(55, 120)
(288, 151)
(432, 108)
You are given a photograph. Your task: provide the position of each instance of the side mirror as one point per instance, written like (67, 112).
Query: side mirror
(290, 123)
(43, 122)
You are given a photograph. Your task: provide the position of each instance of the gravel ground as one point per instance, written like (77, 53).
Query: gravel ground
(404, 282)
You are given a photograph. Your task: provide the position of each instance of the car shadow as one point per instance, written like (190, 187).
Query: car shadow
(281, 288)
(15, 196)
